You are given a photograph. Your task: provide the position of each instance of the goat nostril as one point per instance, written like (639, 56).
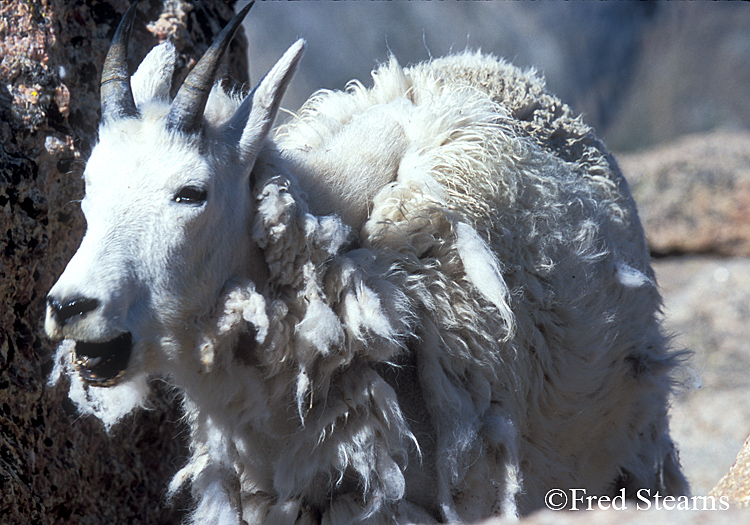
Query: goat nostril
(65, 310)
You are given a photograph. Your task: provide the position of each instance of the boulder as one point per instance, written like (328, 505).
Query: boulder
(735, 485)
(693, 194)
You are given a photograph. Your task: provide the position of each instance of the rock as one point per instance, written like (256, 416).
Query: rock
(54, 465)
(735, 485)
(706, 308)
(694, 194)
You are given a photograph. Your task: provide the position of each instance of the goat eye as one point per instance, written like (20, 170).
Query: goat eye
(190, 195)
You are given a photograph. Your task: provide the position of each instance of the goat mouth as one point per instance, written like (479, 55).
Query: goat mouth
(103, 364)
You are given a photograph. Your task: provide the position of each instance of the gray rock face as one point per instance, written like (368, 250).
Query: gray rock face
(55, 466)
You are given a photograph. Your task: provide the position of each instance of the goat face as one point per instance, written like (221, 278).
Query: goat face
(167, 207)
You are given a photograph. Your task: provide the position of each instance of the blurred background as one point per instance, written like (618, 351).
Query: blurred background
(666, 85)
(640, 72)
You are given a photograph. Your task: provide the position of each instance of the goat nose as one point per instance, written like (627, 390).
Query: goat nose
(63, 311)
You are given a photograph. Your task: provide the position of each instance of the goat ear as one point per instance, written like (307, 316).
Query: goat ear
(253, 119)
(153, 79)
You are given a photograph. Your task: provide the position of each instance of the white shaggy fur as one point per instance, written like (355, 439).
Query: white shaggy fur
(425, 301)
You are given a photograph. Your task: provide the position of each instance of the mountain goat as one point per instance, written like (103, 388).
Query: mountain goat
(425, 301)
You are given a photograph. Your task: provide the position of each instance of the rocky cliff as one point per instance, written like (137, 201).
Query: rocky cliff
(54, 465)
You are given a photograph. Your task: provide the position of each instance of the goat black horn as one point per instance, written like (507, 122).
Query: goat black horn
(186, 112)
(116, 94)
